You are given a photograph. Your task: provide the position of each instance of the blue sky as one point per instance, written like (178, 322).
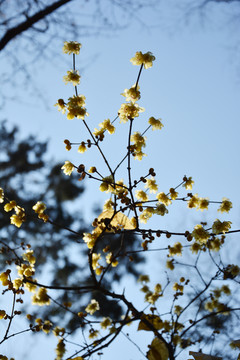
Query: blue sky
(193, 86)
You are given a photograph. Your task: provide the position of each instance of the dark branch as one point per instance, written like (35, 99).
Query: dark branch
(29, 22)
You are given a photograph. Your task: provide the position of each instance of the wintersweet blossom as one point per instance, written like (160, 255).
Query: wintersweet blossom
(145, 59)
(221, 227)
(163, 198)
(82, 147)
(72, 77)
(132, 94)
(105, 323)
(41, 298)
(129, 111)
(200, 234)
(1, 195)
(71, 47)
(76, 107)
(95, 258)
(155, 123)
(203, 204)
(188, 183)
(225, 206)
(151, 185)
(161, 210)
(193, 202)
(173, 193)
(141, 195)
(61, 105)
(2, 314)
(68, 168)
(39, 207)
(92, 307)
(90, 239)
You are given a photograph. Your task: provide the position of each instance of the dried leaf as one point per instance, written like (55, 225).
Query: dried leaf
(158, 350)
(201, 356)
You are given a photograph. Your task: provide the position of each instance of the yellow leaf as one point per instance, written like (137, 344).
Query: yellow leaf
(119, 220)
(201, 356)
(158, 350)
(153, 319)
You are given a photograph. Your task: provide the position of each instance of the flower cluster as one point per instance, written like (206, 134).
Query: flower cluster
(39, 209)
(19, 217)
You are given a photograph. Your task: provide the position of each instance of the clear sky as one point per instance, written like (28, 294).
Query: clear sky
(193, 86)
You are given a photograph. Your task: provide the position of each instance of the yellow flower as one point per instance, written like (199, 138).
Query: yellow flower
(195, 247)
(107, 184)
(28, 256)
(46, 327)
(143, 278)
(221, 227)
(92, 307)
(39, 207)
(76, 107)
(4, 278)
(41, 298)
(193, 202)
(1, 195)
(82, 147)
(188, 183)
(108, 205)
(146, 215)
(95, 258)
(141, 195)
(60, 349)
(203, 204)
(225, 206)
(71, 47)
(169, 264)
(132, 94)
(106, 125)
(178, 309)
(145, 59)
(73, 77)
(139, 142)
(200, 234)
(92, 169)
(68, 168)
(2, 314)
(106, 322)
(61, 105)
(178, 287)
(151, 185)
(161, 209)
(16, 220)
(173, 193)
(111, 260)
(17, 283)
(176, 249)
(129, 111)
(9, 206)
(26, 270)
(163, 198)
(156, 123)
(90, 239)
(225, 289)
(93, 334)
(57, 331)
